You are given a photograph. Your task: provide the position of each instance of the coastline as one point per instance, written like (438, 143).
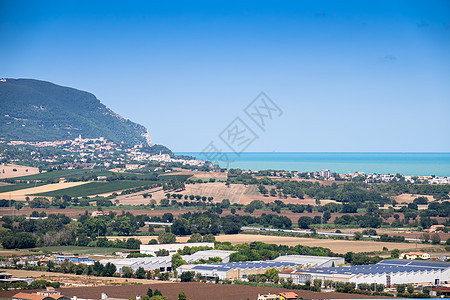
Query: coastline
(405, 163)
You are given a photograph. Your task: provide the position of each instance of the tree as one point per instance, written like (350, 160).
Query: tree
(19, 240)
(410, 288)
(182, 296)
(177, 261)
(167, 238)
(195, 238)
(127, 272)
(187, 276)
(326, 216)
(230, 227)
(140, 273)
(162, 252)
(208, 238)
(357, 235)
(435, 239)
(157, 293)
(149, 292)
(181, 227)
(304, 222)
(272, 274)
(109, 270)
(400, 288)
(395, 253)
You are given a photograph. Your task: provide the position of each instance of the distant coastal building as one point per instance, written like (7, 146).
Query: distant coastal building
(325, 173)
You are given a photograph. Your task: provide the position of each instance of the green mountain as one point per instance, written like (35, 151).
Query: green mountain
(34, 110)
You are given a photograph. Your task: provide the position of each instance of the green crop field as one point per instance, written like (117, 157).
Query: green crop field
(97, 188)
(76, 173)
(174, 177)
(18, 186)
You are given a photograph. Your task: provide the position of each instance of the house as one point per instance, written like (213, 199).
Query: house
(444, 290)
(288, 296)
(97, 213)
(414, 255)
(48, 294)
(434, 228)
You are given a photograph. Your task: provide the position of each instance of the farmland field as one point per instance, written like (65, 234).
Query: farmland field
(337, 246)
(97, 188)
(12, 171)
(22, 194)
(80, 250)
(18, 186)
(75, 173)
(193, 291)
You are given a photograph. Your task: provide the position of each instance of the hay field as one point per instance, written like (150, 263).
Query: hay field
(20, 195)
(409, 198)
(337, 246)
(7, 171)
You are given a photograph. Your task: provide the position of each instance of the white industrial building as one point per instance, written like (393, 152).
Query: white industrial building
(224, 255)
(308, 261)
(163, 263)
(172, 248)
(388, 272)
(241, 270)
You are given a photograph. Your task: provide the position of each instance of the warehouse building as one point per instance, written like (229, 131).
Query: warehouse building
(387, 272)
(172, 248)
(307, 261)
(241, 270)
(163, 263)
(206, 254)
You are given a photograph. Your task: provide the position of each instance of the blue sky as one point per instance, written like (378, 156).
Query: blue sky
(348, 75)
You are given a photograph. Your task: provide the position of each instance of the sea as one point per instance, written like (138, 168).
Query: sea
(415, 164)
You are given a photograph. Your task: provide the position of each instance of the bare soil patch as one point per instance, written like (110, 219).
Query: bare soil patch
(193, 291)
(337, 246)
(7, 171)
(76, 280)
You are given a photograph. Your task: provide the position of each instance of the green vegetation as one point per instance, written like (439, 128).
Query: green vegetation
(18, 186)
(44, 111)
(96, 188)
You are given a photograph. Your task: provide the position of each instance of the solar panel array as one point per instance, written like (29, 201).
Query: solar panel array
(245, 265)
(385, 266)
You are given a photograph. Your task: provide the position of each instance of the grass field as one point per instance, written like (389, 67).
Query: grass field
(22, 194)
(76, 173)
(97, 188)
(19, 186)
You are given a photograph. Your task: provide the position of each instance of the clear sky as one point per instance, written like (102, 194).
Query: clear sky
(348, 75)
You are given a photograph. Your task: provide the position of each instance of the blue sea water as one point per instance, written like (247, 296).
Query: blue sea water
(343, 162)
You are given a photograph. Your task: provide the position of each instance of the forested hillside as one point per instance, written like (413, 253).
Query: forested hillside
(34, 110)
